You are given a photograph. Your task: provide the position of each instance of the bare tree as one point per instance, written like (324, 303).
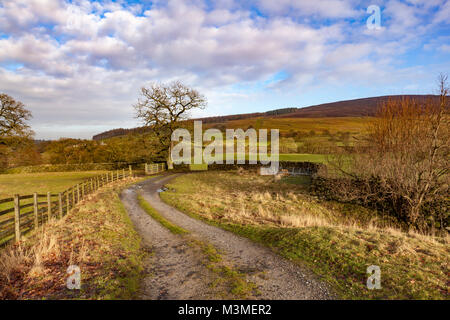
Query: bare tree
(407, 152)
(163, 106)
(13, 117)
(405, 159)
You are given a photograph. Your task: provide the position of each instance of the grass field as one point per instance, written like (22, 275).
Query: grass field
(338, 242)
(303, 157)
(28, 183)
(342, 124)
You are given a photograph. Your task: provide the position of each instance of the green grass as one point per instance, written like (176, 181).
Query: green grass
(235, 282)
(155, 215)
(336, 243)
(198, 167)
(27, 183)
(300, 157)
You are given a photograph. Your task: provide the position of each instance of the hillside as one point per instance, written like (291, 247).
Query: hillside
(364, 107)
(349, 108)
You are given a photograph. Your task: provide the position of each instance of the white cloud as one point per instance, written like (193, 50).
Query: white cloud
(87, 60)
(444, 13)
(323, 8)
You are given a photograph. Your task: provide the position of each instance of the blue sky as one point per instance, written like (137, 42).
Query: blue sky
(78, 65)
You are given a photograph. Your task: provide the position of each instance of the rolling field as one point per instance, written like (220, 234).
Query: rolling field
(305, 135)
(354, 125)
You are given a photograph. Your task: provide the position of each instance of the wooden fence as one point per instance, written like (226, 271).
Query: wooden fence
(153, 168)
(39, 208)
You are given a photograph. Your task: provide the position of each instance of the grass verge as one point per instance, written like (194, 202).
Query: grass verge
(97, 236)
(155, 215)
(338, 246)
(231, 283)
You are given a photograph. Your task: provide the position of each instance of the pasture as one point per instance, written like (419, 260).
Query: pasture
(355, 125)
(28, 183)
(337, 241)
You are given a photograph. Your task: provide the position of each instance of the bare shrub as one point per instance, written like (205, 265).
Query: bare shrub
(12, 260)
(404, 160)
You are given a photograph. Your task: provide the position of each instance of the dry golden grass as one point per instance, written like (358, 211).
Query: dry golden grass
(338, 242)
(96, 235)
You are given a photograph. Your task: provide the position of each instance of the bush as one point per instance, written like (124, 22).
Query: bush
(370, 193)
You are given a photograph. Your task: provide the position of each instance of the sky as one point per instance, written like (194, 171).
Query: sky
(78, 65)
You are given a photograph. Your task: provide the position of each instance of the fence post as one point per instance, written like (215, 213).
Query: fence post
(123, 173)
(117, 175)
(35, 209)
(17, 216)
(49, 205)
(73, 198)
(67, 202)
(130, 170)
(112, 176)
(82, 190)
(146, 168)
(92, 185)
(107, 177)
(60, 205)
(78, 192)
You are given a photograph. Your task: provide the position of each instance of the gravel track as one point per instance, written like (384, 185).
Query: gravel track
(275, 277)
(174, 269)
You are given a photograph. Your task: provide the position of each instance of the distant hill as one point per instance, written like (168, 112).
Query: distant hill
(121, 132)
(365, 107)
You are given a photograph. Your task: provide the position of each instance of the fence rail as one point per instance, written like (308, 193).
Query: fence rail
(153, 168)
(21, 218)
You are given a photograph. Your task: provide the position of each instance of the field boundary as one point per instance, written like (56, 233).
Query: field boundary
(41, 207)
(76, 167)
